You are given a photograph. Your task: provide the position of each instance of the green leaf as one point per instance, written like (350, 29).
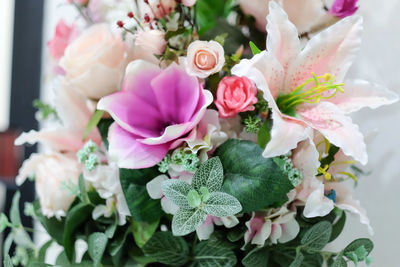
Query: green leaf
(264, 134)
(298, 260)
(236, 234)
(338, 227)
(339, 262)
(187, 221)
(316, 238)
(221, 204)
(177, 191)
(94, 120)
(258, 257)
(141, 206)
(356, 244)
(7, 261)
(82, 189)
(97, 244)
(54, 227)
(103, 127)
(43, 250)
(193, 198)
(254, 49)
(14, 211)
(210, 175)
(255, 181)
(207, 254)
(143, 231)
(118, 243)
(167, 249)
(76, 216)
(207, 13)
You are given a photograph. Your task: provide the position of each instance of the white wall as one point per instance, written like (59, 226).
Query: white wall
(6, 27)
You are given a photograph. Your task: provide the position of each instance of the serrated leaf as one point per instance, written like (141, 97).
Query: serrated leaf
(15, 217)
(221, 204)
(258, 257)
(167, 249)
(316, 238)
(143, 231)
(177, 191)
(210, 175)
(298, 260)
(207, 254)
(339, 262)
(337, 228)
(141, 206)
(97, 244)
(256, 182)
(187, 221)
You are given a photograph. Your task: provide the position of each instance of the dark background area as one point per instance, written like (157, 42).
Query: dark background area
(25, 87)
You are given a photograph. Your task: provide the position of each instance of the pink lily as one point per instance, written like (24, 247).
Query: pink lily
(304, 86)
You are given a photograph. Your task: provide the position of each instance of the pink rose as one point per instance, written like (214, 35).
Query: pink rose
(234, 95)
(94, 63)
(204, 58)
(189, 3)
(63, 36)
(148, 44)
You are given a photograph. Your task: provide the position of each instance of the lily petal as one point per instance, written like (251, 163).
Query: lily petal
(359, 94)
(306, 158)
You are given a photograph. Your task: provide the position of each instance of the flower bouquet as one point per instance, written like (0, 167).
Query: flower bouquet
(180, 137)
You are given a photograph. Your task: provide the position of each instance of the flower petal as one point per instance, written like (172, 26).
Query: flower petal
(306, 158)
(282, 39)
(285, 134)
(206, 229)
(154, 186)
(331, 51)
(129, 153)
(317, 205)
(359, 94)
(289, 231)
(338, 128)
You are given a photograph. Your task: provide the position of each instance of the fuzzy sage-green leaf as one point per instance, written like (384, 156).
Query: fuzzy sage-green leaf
(177, 191)
(210, 175)
(97, 244)
(186, 221)
(316, 238)
(221, 204)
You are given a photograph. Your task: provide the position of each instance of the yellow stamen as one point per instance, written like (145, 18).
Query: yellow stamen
(323, 88)
(352, 176)
(323, 171)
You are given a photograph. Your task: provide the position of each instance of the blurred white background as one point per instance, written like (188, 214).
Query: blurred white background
(378, 62)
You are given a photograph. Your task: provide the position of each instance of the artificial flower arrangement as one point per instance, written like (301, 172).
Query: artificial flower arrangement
(182, 138)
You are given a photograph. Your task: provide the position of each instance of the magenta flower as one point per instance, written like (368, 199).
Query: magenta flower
(153, 112)
(343, 8)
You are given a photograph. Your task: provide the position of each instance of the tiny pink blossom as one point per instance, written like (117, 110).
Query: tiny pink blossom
(63, 36)
(234, 95)
(343, 8)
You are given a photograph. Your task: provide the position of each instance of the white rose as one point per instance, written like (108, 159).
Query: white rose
(204, 58)
(94, 63)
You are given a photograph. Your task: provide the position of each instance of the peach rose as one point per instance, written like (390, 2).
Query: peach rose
(51, 172)
(204, 58)
(234, 95)
(148, 44)
(94, 63)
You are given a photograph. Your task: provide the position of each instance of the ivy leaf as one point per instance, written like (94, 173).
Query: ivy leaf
(298, 260)
(187, 221)
(143, 231)
(316, 238)
(210, 175)
(221, 204)
(167, 249)
(141, 206)
(207, 254)
(258, 257)
(256, 182)
(177, 191)
(97, 244)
